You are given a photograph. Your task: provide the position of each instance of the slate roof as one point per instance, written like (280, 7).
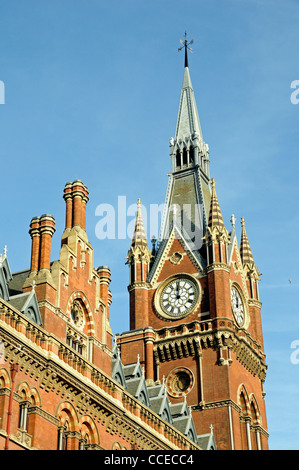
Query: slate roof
(154, 396)
(11, 289)
(16, 284)
(207, 441)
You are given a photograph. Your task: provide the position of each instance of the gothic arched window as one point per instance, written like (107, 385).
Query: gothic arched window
(185, 159)
(178, 159)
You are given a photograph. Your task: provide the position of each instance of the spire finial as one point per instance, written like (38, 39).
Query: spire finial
(245, 250)
(186, 45)
(139, 236)
(215, 215)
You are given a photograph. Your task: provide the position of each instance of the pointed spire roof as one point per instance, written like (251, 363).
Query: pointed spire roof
(139, 236)
(245, 250)
(188, 124)
(215, 215)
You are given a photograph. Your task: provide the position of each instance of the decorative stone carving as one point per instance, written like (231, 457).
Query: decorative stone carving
(176, 258)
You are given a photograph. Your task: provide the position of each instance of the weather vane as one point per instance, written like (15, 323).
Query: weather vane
(186, 44)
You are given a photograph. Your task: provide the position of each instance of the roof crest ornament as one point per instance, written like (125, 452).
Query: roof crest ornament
(185, 44)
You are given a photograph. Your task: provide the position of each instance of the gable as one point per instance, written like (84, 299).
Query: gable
(27, 304)
(5, 278)
(175, 256)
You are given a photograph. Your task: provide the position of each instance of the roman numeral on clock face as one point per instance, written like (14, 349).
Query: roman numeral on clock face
(178, 297)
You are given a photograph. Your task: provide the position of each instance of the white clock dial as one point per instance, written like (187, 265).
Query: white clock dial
(178, 297)
(237, 306)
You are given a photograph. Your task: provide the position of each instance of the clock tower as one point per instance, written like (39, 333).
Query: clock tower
(195, 312)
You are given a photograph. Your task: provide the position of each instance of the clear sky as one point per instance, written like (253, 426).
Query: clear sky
(91, 91)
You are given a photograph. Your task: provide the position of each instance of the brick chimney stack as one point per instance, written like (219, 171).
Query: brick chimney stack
(76, 198)
(41, 232)
(47, 229)
(35, 247)
(69, 205)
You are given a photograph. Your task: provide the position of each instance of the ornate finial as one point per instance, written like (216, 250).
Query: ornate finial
(138, 357)
(5, 251)
(243, 222)
(33, 285)
(211, 428)
(154, 241)
(213, 183)
(186, 45)
(233, 220)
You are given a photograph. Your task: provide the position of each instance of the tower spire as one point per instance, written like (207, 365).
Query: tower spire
(189, 178)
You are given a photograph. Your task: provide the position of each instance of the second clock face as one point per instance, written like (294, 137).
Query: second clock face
(178, 297)
(237, 306)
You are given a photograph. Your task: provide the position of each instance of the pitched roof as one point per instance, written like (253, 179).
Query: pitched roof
(207, 441)
(17, 282)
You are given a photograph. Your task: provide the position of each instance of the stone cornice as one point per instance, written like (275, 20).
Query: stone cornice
(191, 339)
(217, 267)
(254, 303)
(138, 285)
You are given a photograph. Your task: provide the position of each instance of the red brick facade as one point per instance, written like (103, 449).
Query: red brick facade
(226, 362)
(195, 344)
(62, 394)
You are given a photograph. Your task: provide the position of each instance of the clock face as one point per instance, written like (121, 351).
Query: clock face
(178, 297)
(237, 306)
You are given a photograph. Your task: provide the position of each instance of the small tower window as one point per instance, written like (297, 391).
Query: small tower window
(178, 159)
(191, 155)
(185, 161)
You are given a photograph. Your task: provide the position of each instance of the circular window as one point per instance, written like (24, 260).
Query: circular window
(179, 382)
(77, 315)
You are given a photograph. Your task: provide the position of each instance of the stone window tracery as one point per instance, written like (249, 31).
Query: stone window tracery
(77, 314)
(179, 382)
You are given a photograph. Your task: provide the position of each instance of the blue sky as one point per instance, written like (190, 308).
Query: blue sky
(92, 91)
